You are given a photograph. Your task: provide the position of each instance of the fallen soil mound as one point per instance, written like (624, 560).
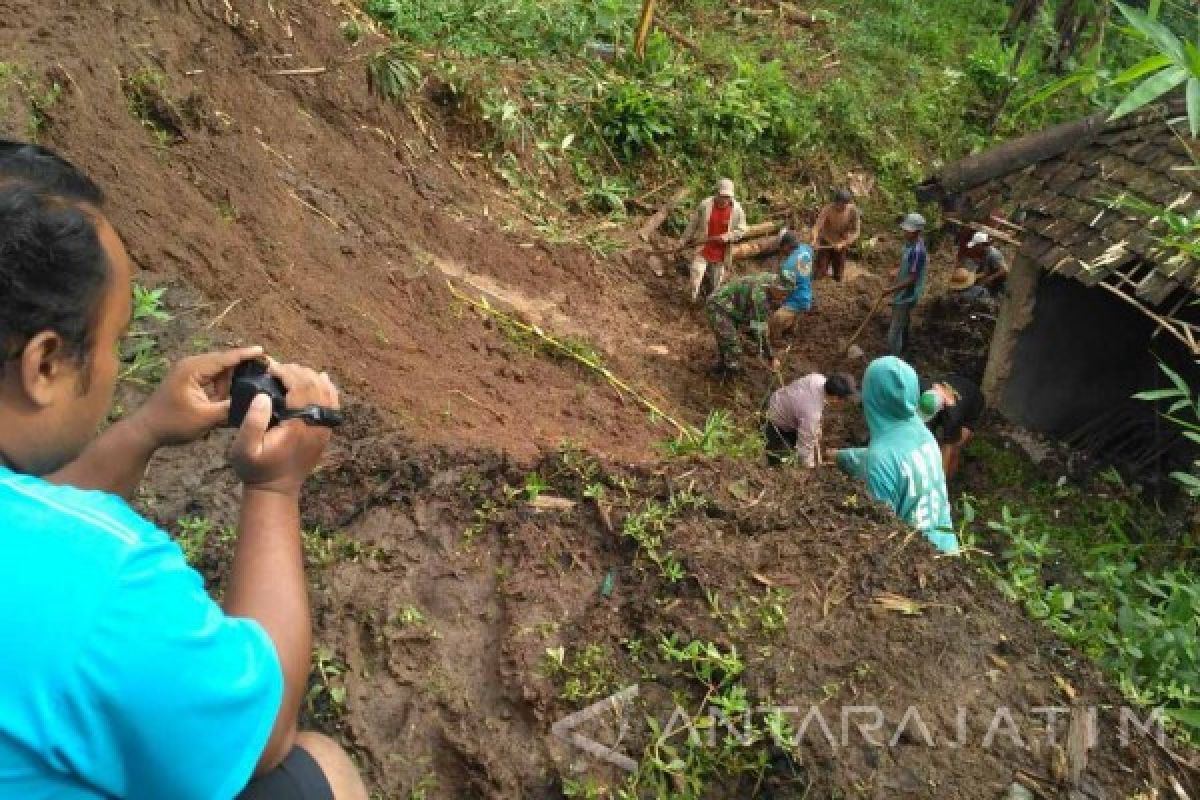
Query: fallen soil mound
(457, 621)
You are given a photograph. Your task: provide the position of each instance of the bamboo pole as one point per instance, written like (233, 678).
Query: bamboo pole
(643, 30)
(533, 330)
(675, 34)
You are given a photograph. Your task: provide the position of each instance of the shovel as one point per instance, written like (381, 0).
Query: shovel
(870, 315)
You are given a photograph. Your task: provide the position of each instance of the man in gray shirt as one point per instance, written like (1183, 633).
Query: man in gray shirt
(794, 416)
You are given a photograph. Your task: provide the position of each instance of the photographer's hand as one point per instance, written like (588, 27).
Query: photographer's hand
(267, 583)
(281, 458)
(192, 400)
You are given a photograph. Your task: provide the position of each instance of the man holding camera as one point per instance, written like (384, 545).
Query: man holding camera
(122, 677)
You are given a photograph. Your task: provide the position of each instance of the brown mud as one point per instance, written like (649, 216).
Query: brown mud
(300, 212)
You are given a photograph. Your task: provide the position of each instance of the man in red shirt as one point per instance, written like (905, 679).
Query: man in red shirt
(722, 221)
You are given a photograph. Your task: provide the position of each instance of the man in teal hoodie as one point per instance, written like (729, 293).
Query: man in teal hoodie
(902, 465)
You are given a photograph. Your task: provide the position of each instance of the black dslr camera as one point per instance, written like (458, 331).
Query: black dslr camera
(251, 378)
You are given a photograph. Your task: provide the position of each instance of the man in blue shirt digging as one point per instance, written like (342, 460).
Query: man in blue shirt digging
(910, 282)
(121, 678)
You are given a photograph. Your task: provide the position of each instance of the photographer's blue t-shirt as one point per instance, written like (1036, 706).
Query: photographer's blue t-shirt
(119, 676)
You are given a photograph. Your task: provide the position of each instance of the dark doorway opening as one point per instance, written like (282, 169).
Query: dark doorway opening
(1076, 367)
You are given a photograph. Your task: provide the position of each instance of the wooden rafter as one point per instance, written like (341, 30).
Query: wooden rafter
(1180, 330)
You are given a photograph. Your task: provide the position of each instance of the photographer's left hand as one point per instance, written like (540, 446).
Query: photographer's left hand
(193, 398)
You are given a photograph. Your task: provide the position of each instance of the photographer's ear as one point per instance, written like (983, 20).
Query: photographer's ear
(44, 368)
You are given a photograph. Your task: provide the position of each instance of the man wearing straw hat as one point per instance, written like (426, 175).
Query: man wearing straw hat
(981, 271)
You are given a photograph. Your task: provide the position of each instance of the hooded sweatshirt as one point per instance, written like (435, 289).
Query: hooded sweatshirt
(902, 465)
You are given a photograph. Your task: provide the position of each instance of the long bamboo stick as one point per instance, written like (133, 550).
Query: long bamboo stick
(482, 305)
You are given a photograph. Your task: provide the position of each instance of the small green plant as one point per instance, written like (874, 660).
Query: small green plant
(410, 616)
(771, 609)
(584, 789)
(146, 96)
(649, 525)
(323, 549)
(41, 100)
(148, 304)
(142, 361)
(720, 436)
(423, 787)
(144, 365)
(40, 95)
(589, 674)
(326, 696)
(534, 486)
(393, 73)
(227, 211)
(487, 513)
(1182, 401)
(352, 30)
(192, 536)
(708, 663)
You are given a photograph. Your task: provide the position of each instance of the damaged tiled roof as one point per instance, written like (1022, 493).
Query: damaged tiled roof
(1066, 181)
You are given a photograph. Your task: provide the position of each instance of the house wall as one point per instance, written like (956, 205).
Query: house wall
(1016, 312)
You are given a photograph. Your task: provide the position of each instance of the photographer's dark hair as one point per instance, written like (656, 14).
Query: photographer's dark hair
(839, 384)
(53, 269)
(36, 166)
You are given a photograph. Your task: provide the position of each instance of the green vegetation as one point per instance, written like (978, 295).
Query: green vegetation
(325, 700)
(534, 486)
(725, 744)
(769, 611)
(410, 616)
(880, 87)
(353, 30)
(143, 363)
(323, 549)
(392, 73)
(1100, 568)
(421, 790)
(720, 436)
(146, 95)
(649, 525)
(587, 675)
(40, 96)
(1182, 402)
(1156, 53)
(194, 534)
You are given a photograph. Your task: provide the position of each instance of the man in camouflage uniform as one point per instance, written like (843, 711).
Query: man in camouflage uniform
(744, 304)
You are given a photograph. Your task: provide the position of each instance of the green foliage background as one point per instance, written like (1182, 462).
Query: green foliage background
(880, 86)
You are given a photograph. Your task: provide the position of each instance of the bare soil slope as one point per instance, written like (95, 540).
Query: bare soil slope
(324, 223)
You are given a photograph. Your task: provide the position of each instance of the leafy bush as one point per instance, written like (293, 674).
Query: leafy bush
(989, 67)
(1096, 566)
(392, 73)
(634, 119)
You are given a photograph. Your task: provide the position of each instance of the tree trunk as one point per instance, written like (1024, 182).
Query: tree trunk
(655, 222)
(1034, 5)
(1023, 13)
